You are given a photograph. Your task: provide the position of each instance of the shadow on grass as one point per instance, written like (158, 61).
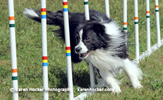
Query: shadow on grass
(58, 78)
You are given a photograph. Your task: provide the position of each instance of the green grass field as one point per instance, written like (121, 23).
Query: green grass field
(29, 52)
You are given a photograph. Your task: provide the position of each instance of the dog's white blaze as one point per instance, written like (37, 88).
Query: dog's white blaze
(29, 13)
(81, 44)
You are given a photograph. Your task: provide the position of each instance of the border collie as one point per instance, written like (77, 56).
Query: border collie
(99, 41)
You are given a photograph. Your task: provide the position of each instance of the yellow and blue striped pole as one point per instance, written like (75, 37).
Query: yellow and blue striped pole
(68, 49)
(44, 50)
(13, 49)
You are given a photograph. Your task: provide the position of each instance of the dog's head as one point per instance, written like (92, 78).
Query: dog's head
(90, 36)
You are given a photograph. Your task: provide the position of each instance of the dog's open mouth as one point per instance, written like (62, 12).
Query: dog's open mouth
(84, 55)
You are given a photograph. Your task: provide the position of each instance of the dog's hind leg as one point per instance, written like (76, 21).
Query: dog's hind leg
(133, 72)
(110, 80)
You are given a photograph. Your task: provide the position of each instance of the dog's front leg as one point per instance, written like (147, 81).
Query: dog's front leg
(110, 80)
(133, 72)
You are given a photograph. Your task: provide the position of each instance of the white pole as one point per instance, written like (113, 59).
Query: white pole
(125, 15)
(136, 30)
(68, 49)
(148, 26)
(107, 8)
(13, 49)
(86, 9)
(44, 49)
(92, 81)
(157, 22)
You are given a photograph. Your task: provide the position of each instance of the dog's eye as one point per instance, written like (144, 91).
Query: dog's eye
(87, 40)
(77, 36)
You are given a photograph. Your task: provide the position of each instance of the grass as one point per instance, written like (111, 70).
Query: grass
(29, 53)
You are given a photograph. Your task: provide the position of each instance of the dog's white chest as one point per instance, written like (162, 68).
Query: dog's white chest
(103, 60)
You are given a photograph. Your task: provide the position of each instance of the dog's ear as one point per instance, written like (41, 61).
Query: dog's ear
(99, 28)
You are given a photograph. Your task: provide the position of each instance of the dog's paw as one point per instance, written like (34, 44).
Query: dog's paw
(116, 90)
(138, 86)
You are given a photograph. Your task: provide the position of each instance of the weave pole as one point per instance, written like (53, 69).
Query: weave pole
(157, 22)
(87, 17)
(136, 31)
(44, 49)
(107, 11)
(13, 49)
(125, 15)
(148, 26)
(68, 48)
(86, 9)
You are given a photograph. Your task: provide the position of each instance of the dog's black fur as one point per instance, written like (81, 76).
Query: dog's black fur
(74, 20)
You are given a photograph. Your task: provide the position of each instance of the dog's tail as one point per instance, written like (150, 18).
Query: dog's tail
(52, 18)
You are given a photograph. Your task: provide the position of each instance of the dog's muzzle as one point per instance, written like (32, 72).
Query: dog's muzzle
(81, 55)
(78, 49)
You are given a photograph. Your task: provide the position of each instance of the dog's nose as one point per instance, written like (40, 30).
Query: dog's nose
(78, 49)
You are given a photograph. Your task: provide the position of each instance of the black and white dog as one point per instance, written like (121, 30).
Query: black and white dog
(99, 41)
